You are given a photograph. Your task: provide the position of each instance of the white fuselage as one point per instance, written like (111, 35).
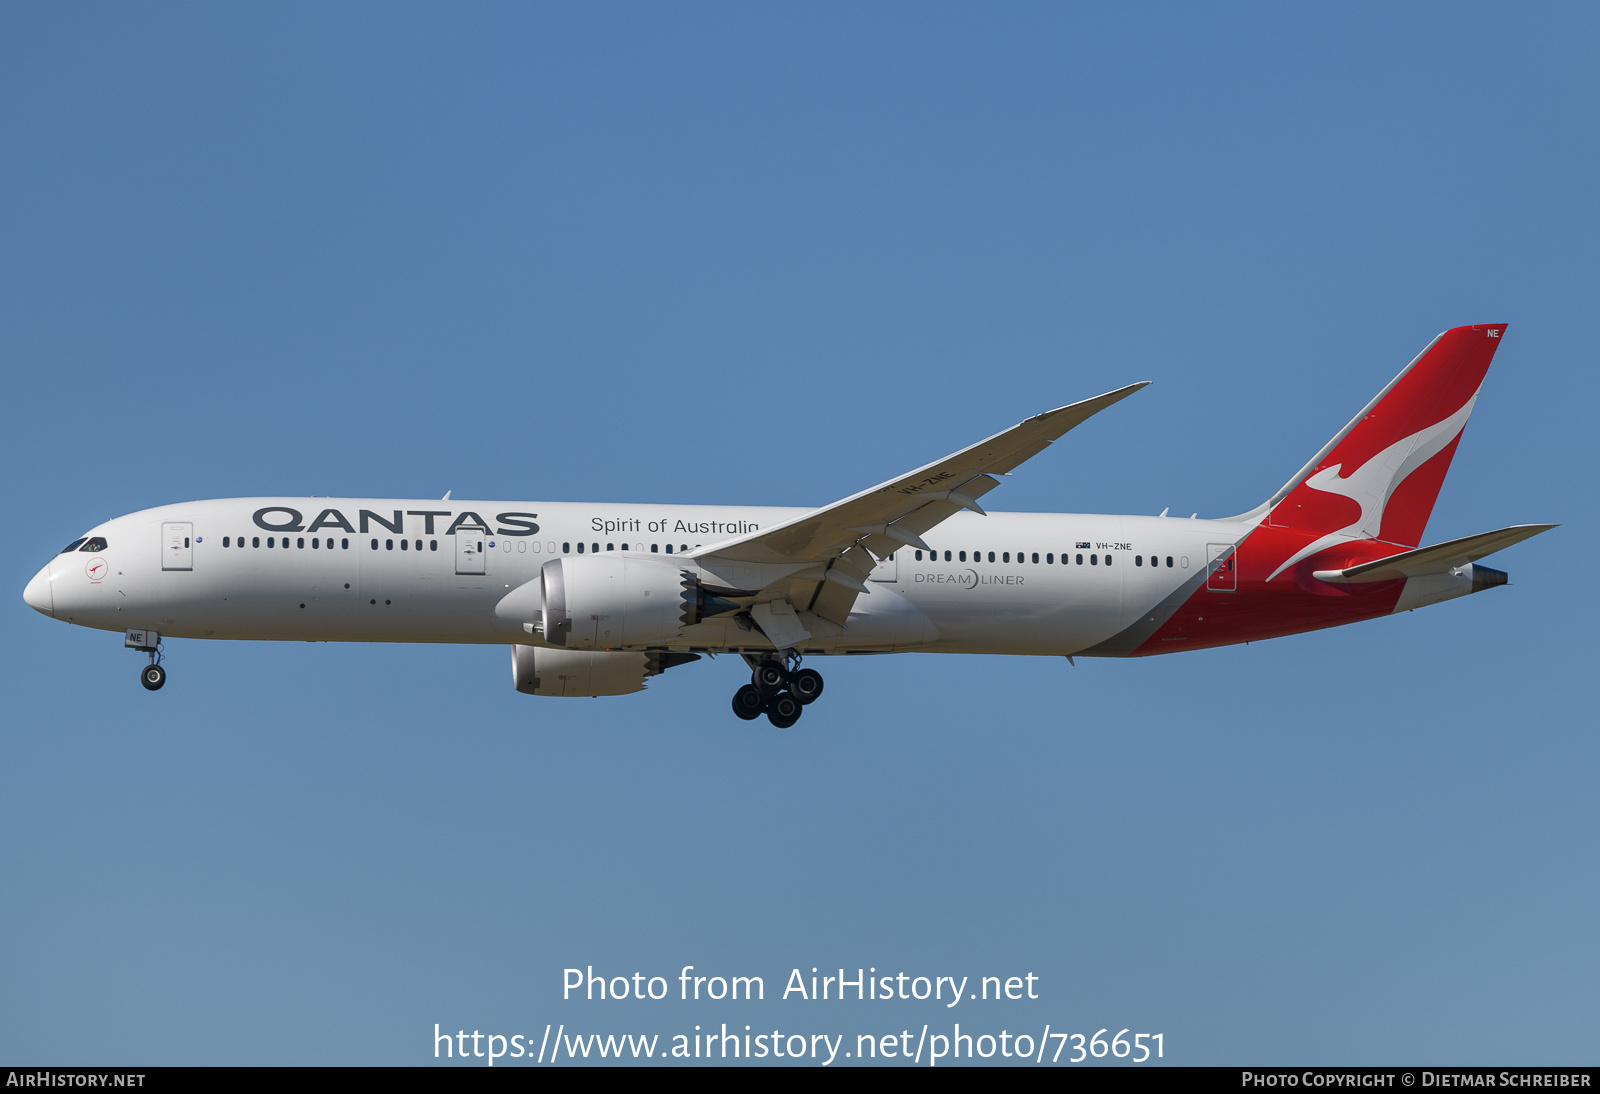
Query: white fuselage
(347, 570)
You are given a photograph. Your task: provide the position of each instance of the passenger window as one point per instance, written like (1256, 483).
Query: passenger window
(388, 544)
(1138, 560)
(609, 547)
(682, 547)
(255, 541)
(1080, 560)
(1004, 558)
(269, 541)
(594, 548)
(95, 543)
(433, 545)
(1169, 562)
(1094, 560)
(344, 545)
(224, 541)
(580, 548)
(991, 556)
(374, 545)
(947, 556)
(918, 556)
(419, 545)
(1050, 558)
(300, 543)
(1036, 556)
(566, 548)
(669, 548)
(655, 548)
(405, 544)
(1108, 560)
(963, 556)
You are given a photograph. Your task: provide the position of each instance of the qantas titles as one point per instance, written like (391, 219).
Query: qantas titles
(285, 519)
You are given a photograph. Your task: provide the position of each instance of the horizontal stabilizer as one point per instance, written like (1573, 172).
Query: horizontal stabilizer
(1438, 559)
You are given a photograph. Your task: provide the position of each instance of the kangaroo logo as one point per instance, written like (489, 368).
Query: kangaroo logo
(1374, 482)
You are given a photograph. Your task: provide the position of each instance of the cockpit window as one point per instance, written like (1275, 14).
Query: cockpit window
(71, 547)
(94, 543)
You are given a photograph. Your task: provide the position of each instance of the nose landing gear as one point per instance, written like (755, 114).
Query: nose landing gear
(152, 676)
(777, 691)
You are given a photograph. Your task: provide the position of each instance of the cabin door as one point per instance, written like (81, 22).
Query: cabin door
(1222, 575)
(471, 544)
(887, 570)
(177, 546)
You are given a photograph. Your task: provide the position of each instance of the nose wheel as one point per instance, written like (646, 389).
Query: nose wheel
(152, 676)
(778, 693)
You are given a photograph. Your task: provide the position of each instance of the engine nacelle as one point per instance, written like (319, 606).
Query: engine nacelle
(540, 671)
(604, 601)
(576, 672)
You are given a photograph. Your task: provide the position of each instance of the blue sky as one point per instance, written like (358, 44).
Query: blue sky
(771, 256)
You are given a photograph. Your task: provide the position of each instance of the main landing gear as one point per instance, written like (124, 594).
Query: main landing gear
(778, 692)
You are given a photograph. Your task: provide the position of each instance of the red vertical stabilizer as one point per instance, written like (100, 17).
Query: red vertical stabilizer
(1378, 479)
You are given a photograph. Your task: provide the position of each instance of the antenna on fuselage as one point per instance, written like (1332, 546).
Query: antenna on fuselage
(446, 496)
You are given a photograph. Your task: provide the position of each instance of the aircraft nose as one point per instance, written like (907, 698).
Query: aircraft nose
(38, 595)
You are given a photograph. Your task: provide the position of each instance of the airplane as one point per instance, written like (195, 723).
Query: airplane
(594, 599)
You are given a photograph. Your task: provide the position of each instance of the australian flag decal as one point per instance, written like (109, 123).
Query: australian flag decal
(1083, 547)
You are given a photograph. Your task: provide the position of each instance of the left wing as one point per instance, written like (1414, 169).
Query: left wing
(837, 538)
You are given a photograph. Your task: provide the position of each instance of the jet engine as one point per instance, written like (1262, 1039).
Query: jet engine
(604, 601)
(539, 671)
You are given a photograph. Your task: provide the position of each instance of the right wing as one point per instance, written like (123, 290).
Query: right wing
(839, 540)
(894, 514)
